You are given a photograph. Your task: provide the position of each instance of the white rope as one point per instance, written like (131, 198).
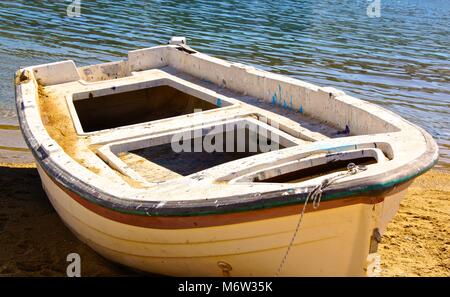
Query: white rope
(315, 195)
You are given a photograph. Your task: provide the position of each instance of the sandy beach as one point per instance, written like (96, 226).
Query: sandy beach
(34, 241)
(417, 241)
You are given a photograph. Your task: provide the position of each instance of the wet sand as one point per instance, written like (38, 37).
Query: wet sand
(34, 241)
(13, 149)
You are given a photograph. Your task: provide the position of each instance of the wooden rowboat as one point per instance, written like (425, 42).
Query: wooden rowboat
(178, 163)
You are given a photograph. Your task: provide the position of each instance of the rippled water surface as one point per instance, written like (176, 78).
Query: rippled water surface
(400, 60)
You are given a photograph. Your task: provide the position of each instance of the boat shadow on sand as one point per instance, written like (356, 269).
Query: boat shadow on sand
(34, 240)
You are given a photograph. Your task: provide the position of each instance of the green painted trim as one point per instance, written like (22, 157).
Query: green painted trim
(325, 197)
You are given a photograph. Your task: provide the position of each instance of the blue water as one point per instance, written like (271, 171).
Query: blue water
(400, 60)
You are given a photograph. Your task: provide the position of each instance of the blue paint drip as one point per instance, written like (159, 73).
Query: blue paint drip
(219, 102)
(279, 88)
(274, 99)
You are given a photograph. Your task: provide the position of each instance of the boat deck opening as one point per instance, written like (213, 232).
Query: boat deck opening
(317, 171)
(137, 106)
(176, 159)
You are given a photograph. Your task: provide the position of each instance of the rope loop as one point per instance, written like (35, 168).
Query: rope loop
(315, 195)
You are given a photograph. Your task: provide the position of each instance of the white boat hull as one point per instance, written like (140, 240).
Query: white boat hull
(331, 242)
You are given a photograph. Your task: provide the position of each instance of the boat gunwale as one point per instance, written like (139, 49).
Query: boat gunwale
(220, 219)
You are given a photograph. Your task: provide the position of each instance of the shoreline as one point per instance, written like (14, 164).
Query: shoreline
(35, 242)
(14, 152)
